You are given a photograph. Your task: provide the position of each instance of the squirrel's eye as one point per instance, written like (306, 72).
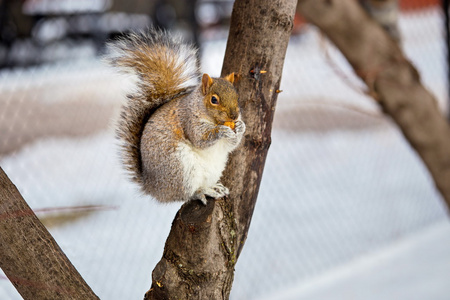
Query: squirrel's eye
(214, 100)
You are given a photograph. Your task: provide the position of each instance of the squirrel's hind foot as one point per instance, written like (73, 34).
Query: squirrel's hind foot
(216, 192)
(221, 189)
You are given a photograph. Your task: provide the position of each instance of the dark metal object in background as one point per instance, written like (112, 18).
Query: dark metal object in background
(170, 14)
(13, 25)
(34, 32)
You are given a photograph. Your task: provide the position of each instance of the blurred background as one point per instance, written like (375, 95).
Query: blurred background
(346, 208)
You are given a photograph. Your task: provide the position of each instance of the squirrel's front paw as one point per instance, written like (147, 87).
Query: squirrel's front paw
(239, 127)
(226, 132)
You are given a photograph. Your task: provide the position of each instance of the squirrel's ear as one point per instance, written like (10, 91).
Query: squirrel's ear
(206, 83)
(231, 77)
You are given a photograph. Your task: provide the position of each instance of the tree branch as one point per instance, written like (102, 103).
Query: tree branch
(391, 78)
(29, 255)
(205, 241)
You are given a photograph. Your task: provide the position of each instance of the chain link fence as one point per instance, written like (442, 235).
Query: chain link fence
(341, 186)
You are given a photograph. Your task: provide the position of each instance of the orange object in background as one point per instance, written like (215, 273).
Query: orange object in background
(406, 5)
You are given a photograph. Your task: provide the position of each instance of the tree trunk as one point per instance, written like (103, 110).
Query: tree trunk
(205, 241)
(29, 255)
(391, 79)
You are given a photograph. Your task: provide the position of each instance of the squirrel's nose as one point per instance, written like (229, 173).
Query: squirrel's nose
(234, 114)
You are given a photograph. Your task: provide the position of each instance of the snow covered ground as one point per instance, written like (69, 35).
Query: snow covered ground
(346, 208)
(414, 268)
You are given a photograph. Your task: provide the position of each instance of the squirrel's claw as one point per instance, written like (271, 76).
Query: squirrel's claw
(203, 199)
(239, 127)
(199, 195)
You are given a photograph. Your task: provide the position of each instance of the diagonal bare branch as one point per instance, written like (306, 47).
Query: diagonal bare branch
(30, 257)
(391, 78)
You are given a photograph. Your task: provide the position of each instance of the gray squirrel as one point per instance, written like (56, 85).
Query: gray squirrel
(178, 126)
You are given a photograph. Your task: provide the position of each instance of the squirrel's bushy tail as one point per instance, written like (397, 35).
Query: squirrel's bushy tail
(165, 69)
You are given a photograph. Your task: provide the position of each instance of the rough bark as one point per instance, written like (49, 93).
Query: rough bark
(205, 241)
(257, 43)
(29, 255)
(391, 79)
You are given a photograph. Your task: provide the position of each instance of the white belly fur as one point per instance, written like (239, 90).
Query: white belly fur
(202, 168)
